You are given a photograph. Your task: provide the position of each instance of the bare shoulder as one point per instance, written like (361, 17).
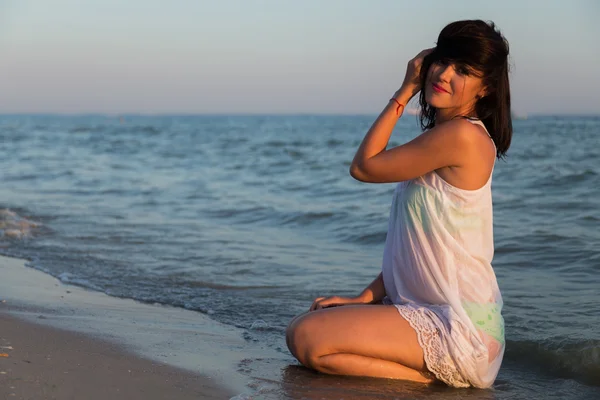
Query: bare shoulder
(474, 158)
(467, 138)
(458, 131)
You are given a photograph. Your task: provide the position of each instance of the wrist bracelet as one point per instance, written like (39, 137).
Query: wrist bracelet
(399, 105)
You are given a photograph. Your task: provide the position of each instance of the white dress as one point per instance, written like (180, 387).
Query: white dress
(437, 272)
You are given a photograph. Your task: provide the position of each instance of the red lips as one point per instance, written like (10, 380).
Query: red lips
(438, 88)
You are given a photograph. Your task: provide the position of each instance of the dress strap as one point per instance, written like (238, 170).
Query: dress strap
(477, 121)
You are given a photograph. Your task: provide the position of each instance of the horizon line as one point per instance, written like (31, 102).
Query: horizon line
(258, 114)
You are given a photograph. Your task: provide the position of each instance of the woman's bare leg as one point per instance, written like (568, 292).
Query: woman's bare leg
(362, 340)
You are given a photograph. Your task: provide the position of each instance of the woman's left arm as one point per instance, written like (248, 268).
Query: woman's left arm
(447, 145)
(378, 136)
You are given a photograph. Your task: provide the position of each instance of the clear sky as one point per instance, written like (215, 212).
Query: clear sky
(275, 56)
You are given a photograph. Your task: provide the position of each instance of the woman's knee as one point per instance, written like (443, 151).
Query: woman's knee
(297, 317)
(289, 332)
(298, 339)
(292, 325)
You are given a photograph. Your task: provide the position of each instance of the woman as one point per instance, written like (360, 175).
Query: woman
(434, 312)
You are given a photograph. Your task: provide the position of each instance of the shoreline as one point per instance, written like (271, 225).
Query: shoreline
(43, 362)
(89, 336)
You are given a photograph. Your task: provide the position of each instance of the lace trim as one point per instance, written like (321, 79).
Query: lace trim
(436, 356)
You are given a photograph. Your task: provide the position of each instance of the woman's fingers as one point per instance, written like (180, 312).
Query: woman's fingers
(327, 302)
(412, 79)
(418, 60)
(323, 302)
(315, 303)
(423, 53)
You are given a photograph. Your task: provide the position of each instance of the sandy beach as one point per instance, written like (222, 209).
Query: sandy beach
(61, 341)
(40, 362)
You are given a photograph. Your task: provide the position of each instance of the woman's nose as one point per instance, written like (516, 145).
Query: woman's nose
(445, 73)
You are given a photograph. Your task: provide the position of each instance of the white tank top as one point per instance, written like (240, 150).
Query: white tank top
(438, 252)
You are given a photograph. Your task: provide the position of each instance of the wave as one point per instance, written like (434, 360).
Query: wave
(145, 129)
(253, 214)
(307, 218)
(260, 214)
(566, 180)
(14, 226)
(220, 286)
(579, 360)
(366, 238)
(88, 129)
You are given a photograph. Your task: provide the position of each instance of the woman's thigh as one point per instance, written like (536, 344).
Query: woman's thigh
(377, 331)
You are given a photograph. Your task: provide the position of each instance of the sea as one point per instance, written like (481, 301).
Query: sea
(248, 218)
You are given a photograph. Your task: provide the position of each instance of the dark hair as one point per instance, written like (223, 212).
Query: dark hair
(478, 46)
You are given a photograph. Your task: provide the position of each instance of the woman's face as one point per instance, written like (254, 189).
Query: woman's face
(452, 87)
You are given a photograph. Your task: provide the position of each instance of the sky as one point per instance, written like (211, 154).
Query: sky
(275, 56)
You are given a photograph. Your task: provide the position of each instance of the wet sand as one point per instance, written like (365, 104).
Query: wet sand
(40, 362)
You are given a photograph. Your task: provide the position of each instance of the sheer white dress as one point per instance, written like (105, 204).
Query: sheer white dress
(437, 272)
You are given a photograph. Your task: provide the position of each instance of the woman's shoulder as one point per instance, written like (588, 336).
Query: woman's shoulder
(467, 130)
(458, 124)
(462, 132)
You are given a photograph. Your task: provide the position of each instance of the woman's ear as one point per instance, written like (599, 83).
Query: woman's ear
(482, 93)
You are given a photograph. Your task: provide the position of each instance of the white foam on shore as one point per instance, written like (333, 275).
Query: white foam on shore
(14, 226)
(175, 336)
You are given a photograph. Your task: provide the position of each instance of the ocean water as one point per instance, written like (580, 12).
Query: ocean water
(249, 218)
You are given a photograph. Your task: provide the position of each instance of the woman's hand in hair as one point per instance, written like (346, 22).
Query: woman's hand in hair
(412, 80)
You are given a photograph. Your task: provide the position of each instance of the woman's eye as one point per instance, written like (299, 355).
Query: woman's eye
(462, 70)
